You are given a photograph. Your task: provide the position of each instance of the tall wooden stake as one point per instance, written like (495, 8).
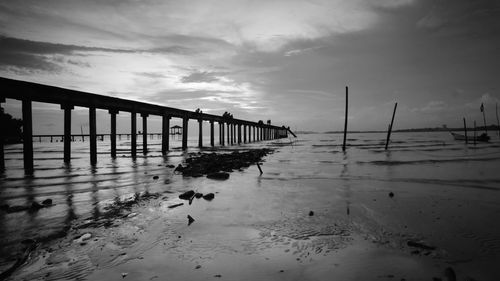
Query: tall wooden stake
(465, 130)
(474, 132)
(484, 119)
(498, 122)
(390, 127)
(345, 124)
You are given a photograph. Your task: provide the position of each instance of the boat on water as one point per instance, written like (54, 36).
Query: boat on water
(482, 137)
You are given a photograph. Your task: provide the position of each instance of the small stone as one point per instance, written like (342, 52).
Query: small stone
(156, 177)
(36, 206)
(190, 219)
(198, 267)
(131, 215)
(187, 195)
(217, 275)
(47, 202)
(124, 274)
(311, 213)
(218, 176)
(198, 195)
(391, 194)
(86, 236)
(209, 196)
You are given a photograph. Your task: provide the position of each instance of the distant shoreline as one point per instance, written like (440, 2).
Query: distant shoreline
(491, 128)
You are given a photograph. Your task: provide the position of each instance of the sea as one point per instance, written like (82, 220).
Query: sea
(426, 186)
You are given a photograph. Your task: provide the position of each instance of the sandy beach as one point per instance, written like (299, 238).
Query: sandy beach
(314, 214)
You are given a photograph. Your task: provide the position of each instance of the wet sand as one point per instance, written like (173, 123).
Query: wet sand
(260, 227)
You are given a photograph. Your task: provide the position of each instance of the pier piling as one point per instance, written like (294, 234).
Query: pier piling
(184, 132)
(67, 132)
(164, 134)
(27, 136)
(212, 141)
(112, 136)
(144, 133)
(200, 133)
(133, 134)
(93, 135)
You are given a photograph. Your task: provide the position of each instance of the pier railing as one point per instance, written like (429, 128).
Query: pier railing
(238, 131)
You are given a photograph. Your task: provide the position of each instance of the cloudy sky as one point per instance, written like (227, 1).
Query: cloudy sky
(287, 60)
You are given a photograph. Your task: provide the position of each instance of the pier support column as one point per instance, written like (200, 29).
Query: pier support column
(144, 133)
(112, 136)
(228, 134)
(200, 133)
(2, 129)
(244, 133)
(221, 134)
(239, 133)
(67, 132)
(232, 134)
(254, 136)
(133, 134)
(164, 134)
(93, 135)
(212, 142)
(27, 137)
(184, 133)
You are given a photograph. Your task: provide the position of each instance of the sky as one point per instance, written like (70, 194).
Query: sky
(284, 60)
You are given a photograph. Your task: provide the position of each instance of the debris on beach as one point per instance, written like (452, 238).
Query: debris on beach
(188, 195)
(311, 213)
(124, 274)
(218, 176)
(47, 202)
(391, 194)
(175, 205)
(218, 165)
(420, 245)
(190, 220)
(209, 196)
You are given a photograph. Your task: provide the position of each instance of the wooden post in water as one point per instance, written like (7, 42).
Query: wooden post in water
(390, 127)
(2, 130)
(498, 122)
(67, 132)
(221, 134)
(93, 135)
(165, 126)
(474, 132)
(112, 136)
(212, 134)
(345, 123)
(185, 133)
(133, 134)
(144, 133)
(228, 133)
(465, 131)
(27, 137)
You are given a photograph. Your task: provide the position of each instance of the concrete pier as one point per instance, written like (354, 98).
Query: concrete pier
(28, 92)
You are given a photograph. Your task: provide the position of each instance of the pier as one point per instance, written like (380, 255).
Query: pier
(238, 131)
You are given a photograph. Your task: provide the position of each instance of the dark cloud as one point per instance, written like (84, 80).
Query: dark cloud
(201, 77)
(27, 54)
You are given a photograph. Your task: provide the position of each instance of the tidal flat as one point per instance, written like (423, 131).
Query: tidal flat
(424, 209)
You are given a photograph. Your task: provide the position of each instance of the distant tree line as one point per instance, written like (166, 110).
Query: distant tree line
(10, 128)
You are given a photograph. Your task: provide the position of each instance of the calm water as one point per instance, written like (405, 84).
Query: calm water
(420, 163)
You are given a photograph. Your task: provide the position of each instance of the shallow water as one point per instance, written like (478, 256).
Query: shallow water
(446, 195)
